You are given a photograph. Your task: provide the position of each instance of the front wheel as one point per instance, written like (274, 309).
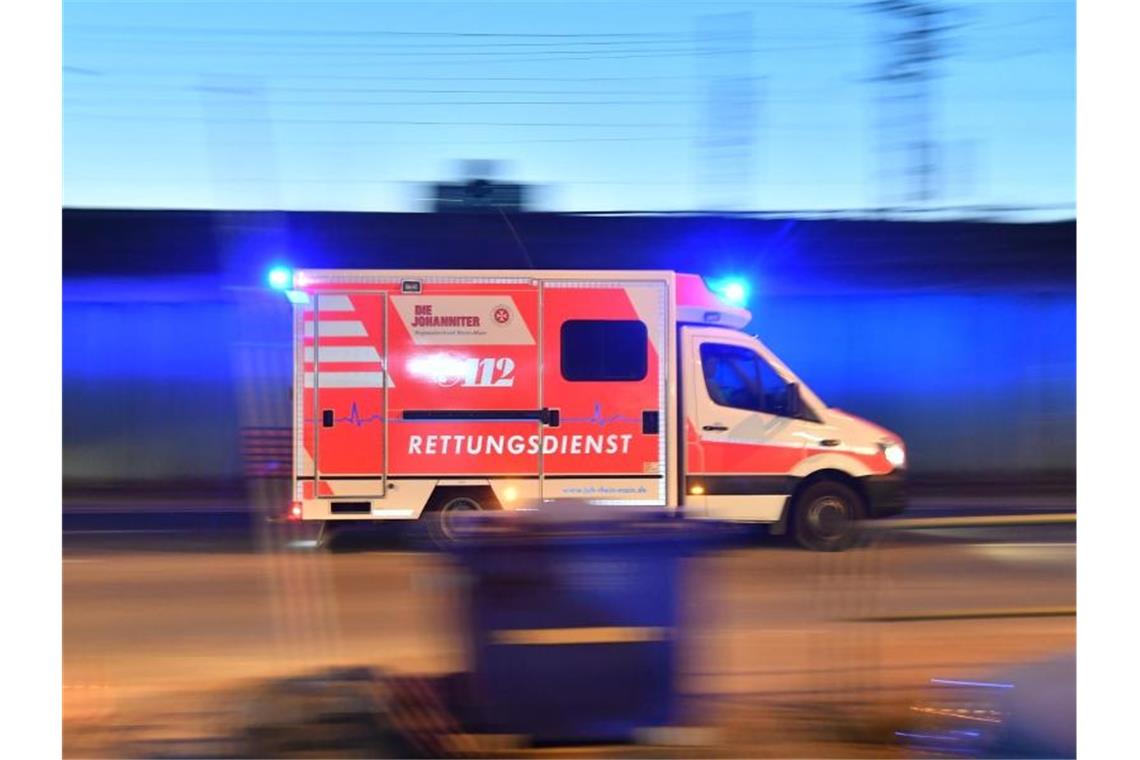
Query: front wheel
(826, 516)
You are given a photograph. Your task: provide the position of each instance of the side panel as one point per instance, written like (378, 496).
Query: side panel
(610, 443)
(465, 395)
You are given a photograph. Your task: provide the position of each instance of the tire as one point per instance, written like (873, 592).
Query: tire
(439, 520)
(825, 516)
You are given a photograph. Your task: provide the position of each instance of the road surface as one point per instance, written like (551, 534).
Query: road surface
(153, 617)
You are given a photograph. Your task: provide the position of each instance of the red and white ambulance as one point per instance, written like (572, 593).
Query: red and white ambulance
(421, 394)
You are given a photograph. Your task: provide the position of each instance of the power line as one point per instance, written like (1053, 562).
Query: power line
(152, 74)
(824, 133)
(351, 145)
(370, 181)
(813, 127)
(274, 89)
(399, 103)
(574, 44)
(308, 48)
(102, 100)
(247, 31)
(466, 59)
(617, 100)
(127, 90)
(309, 42)
(402, 122)
(308, 33)
(453, 49)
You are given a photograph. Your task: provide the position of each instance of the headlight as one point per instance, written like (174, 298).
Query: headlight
(895, 453)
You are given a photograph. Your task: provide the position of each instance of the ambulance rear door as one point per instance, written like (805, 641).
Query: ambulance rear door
(344, 400)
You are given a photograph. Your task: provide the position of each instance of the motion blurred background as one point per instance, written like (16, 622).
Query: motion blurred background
(895, 180)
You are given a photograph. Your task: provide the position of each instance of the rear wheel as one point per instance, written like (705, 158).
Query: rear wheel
(440, 521)
(826, 516)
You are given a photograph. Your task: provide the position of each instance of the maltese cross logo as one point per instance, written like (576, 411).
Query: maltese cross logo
(502, 315)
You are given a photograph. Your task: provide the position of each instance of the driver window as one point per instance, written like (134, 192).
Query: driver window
(739, 378)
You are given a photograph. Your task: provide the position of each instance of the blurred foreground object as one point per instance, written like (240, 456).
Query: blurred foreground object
(1027, 711)
(574, 619)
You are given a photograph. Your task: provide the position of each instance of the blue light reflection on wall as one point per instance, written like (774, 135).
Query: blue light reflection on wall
(974, 382)
(148, 392)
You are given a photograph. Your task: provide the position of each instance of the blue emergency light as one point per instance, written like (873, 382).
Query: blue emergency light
(732, 290)
(280, 278)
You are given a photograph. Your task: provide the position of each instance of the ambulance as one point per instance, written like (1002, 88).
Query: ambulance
(421, 395)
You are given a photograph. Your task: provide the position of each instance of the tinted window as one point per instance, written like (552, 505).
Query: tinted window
(739, 378)
(604, 350)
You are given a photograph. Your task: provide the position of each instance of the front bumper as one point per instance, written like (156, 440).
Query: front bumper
(886, 494)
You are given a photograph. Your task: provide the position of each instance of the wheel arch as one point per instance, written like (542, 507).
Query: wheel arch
(482, 493)
(837, 461)
(830, 475)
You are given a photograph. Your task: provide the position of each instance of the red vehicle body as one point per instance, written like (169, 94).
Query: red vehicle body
(420, 393)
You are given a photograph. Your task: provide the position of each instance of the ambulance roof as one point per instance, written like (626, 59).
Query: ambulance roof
(697, 303)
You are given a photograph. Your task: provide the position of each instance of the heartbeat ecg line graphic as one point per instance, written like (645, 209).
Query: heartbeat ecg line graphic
(597, 418)
(354, 417)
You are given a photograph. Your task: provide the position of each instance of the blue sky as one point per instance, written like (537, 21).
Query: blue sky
(605, 105)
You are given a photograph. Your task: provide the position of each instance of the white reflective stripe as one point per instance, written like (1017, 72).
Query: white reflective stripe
(331, 329)
(344, 354)
(333, 303)
(349, 380)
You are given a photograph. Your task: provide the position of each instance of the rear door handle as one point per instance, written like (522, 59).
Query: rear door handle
(717, 428)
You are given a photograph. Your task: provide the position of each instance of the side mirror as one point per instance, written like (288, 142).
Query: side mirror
(793, 403)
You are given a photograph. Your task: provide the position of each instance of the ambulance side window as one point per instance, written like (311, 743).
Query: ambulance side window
(737, 377)
(604, 350)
